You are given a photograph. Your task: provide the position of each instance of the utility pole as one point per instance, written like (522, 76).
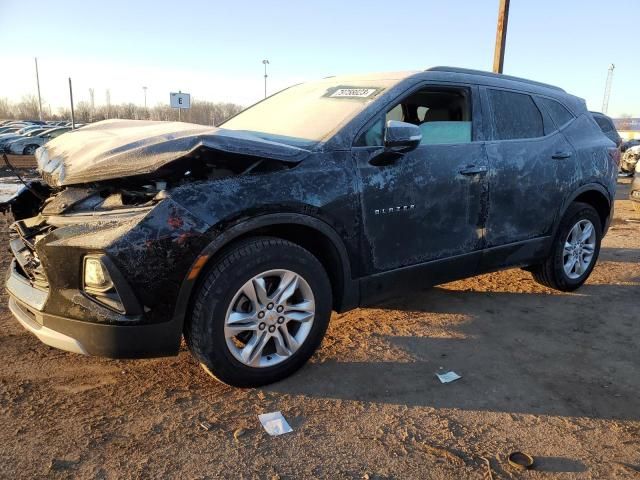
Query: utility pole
(607, 89)
(265, 63)
(145, 96)
(501, 36)
(38, 83)
(108, 99)
(93, 103)
(73, 117)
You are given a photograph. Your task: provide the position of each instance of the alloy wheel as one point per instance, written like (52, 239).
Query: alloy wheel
(269, 318)
(579, 248)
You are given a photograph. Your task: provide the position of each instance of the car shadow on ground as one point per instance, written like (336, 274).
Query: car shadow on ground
(559, 465)
(533, 353)
(626, 255)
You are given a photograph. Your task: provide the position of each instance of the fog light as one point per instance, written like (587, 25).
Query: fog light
(96, 276)
(98, 284)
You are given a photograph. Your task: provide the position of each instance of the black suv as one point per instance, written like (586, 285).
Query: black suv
(326, 196)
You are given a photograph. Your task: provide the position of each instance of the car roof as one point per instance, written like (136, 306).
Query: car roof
(499, 80)
(494, 76)
(373, 76)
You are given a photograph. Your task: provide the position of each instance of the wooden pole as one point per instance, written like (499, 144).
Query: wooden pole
(501, 36)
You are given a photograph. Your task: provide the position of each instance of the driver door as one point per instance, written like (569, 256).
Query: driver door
(428, 207)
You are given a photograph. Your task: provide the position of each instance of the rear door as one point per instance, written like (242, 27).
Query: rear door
(531, 168)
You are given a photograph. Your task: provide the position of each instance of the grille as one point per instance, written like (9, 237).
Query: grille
(29, 265)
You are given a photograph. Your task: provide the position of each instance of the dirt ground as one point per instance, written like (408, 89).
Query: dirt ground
(555, 375)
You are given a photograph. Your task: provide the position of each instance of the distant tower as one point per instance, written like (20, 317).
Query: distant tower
(607, 89)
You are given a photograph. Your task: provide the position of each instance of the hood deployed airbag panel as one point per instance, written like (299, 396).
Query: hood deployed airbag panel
(124, 148)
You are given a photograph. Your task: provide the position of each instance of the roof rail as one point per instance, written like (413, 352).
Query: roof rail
(482, 73)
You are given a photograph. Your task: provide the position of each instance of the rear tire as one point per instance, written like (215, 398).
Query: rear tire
(247, 328)
(574, 252)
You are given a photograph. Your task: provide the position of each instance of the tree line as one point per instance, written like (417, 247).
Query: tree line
(202, 112)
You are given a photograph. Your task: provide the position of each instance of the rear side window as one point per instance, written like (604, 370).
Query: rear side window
(515, 115)
(560, 115)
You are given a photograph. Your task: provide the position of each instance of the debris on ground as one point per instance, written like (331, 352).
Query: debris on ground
(274, 423)
(488, 474)
(520, 460)
(206, 426)
(448, 377)
(239, 432)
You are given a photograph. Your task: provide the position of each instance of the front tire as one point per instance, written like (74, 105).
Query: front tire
(574, 252)
(30, 150)
(260, 312)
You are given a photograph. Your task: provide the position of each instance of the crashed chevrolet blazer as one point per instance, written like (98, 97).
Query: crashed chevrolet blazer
(323, 197)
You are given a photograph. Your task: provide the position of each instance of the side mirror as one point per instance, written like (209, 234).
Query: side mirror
(401, 137)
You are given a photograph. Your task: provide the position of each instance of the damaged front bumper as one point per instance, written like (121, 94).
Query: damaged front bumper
(145, 252)
(80, 336)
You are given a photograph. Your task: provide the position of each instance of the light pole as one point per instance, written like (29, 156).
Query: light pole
(38, 84)
(145, 96)
(265, 63)
(73, 116)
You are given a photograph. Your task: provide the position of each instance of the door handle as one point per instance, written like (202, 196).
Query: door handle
(474, 170)
(561, 155)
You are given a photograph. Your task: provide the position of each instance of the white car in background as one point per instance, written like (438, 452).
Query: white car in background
(630, 159)
(29, 145)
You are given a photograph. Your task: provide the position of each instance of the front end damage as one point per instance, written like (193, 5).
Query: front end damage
(102, 280)
(97, 265)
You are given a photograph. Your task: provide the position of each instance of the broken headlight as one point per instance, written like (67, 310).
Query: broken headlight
(98, 285)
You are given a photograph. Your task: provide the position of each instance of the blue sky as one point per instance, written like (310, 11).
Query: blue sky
(214, 49)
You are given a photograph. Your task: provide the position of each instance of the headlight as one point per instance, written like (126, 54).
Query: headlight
(98, 285)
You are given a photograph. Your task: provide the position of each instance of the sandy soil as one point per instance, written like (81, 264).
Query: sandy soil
(555, 375)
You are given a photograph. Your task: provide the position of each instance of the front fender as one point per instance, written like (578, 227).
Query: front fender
(244, 227)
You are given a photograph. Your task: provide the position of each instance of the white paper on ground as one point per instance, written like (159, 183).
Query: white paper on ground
(448, 377)
(274, 423)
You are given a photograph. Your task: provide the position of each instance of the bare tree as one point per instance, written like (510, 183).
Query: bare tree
(202, 112)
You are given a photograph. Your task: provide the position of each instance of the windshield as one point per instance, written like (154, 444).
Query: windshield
(311, 112)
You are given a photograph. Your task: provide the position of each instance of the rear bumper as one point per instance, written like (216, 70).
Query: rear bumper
(28, 305)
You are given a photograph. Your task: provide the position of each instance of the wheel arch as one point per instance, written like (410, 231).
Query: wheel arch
(309, 232)
(598, 197)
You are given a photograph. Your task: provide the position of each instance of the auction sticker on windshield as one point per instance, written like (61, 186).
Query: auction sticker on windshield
(352, 92)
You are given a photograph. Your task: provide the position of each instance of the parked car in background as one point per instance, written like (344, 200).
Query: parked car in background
(9, 129)
(630, 160)
(6, 139)
(328, 195)
(629, 143)
(608, 128)
(634, 195)
(29, 145)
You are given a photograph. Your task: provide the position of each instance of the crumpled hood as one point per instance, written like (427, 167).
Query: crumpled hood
(123, 148)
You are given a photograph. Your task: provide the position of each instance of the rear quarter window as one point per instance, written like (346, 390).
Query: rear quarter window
(515, 115)
(604, 123)
(560, 115)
